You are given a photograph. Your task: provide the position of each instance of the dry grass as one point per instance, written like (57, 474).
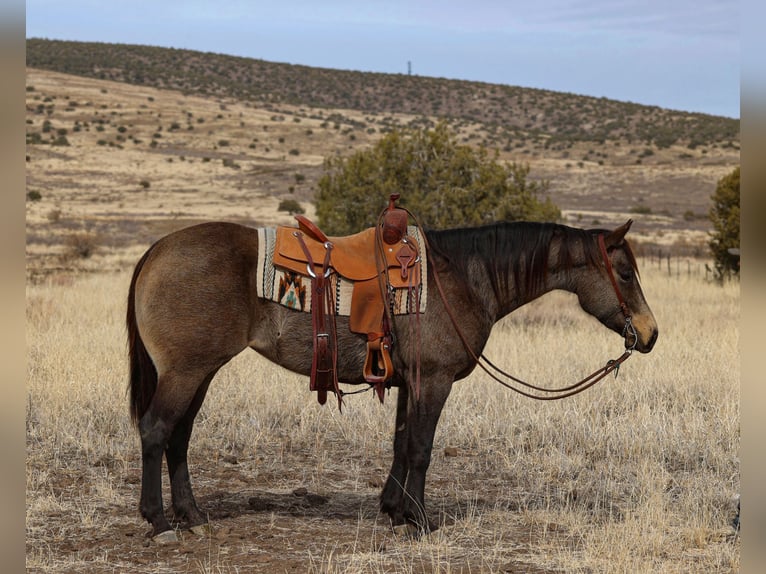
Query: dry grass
(635, 475)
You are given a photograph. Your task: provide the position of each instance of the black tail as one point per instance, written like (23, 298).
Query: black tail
(143, 374)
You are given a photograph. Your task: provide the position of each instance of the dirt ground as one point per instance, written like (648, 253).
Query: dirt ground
(273, 523)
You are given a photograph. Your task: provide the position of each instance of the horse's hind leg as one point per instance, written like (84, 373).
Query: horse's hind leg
(184, 505)
(155, 433)
(176, 393)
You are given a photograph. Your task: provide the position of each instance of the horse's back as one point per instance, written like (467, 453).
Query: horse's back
(206, 240)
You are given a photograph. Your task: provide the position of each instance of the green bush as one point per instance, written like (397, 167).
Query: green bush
(443, 183)
(291, 206)
(724, 215)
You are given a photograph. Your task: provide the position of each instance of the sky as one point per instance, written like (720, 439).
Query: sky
(676, 54)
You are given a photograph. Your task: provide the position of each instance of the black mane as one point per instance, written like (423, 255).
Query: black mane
(515, 251)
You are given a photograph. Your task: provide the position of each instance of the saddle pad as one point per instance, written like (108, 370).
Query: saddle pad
(293, 290)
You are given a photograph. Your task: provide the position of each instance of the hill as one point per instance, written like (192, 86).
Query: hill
(509, 113)
(173, 137)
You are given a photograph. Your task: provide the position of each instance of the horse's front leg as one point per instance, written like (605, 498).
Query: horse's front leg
(392, 496)
(422, 417)
(403, 496)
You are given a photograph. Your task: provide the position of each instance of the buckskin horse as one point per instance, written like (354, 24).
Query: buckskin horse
(192, 306)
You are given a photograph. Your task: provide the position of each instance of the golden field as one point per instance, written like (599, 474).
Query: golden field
(637, 474)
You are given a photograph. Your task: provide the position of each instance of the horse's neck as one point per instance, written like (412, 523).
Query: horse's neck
(502, 285)
(517, 295)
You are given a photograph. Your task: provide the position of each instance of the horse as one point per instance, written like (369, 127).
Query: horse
(192, 306)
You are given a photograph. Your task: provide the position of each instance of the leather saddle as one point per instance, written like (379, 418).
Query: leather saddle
(376, 261)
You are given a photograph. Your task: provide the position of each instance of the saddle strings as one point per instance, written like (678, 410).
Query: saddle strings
(413, 299)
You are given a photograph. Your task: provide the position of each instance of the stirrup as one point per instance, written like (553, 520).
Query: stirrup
(378, 367)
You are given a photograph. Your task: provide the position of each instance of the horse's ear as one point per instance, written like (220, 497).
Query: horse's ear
(616, 237)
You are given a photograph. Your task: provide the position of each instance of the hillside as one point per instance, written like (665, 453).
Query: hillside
(116, 164)
(509, 113)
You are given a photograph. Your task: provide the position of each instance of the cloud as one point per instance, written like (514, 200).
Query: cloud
(719, 18)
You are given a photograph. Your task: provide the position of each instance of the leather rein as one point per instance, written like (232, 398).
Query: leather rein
(611, 366)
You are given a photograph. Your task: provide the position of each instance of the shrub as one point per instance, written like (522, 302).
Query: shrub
(291, 206)
(724, 215)
(81, 245)
(34, 195)
(689, 215)
(442, 182)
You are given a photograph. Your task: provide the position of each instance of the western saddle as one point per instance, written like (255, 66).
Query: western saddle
(377, 261)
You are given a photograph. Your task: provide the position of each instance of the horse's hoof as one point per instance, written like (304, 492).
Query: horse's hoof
(202, 529)
(167, 537)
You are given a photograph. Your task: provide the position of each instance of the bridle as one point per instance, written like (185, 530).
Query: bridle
(495, 372)
(629, 328)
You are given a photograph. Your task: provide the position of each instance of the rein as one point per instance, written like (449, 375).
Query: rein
(495, 372)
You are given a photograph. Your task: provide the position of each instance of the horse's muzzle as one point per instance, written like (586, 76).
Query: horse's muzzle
(640, 341)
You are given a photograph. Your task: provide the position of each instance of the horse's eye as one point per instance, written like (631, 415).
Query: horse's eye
(626, 274)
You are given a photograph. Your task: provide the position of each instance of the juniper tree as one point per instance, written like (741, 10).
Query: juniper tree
(443, 183)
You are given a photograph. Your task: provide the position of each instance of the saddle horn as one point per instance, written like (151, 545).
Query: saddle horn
(394, 221)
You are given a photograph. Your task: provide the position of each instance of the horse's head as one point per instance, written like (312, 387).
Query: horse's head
(611, 291)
